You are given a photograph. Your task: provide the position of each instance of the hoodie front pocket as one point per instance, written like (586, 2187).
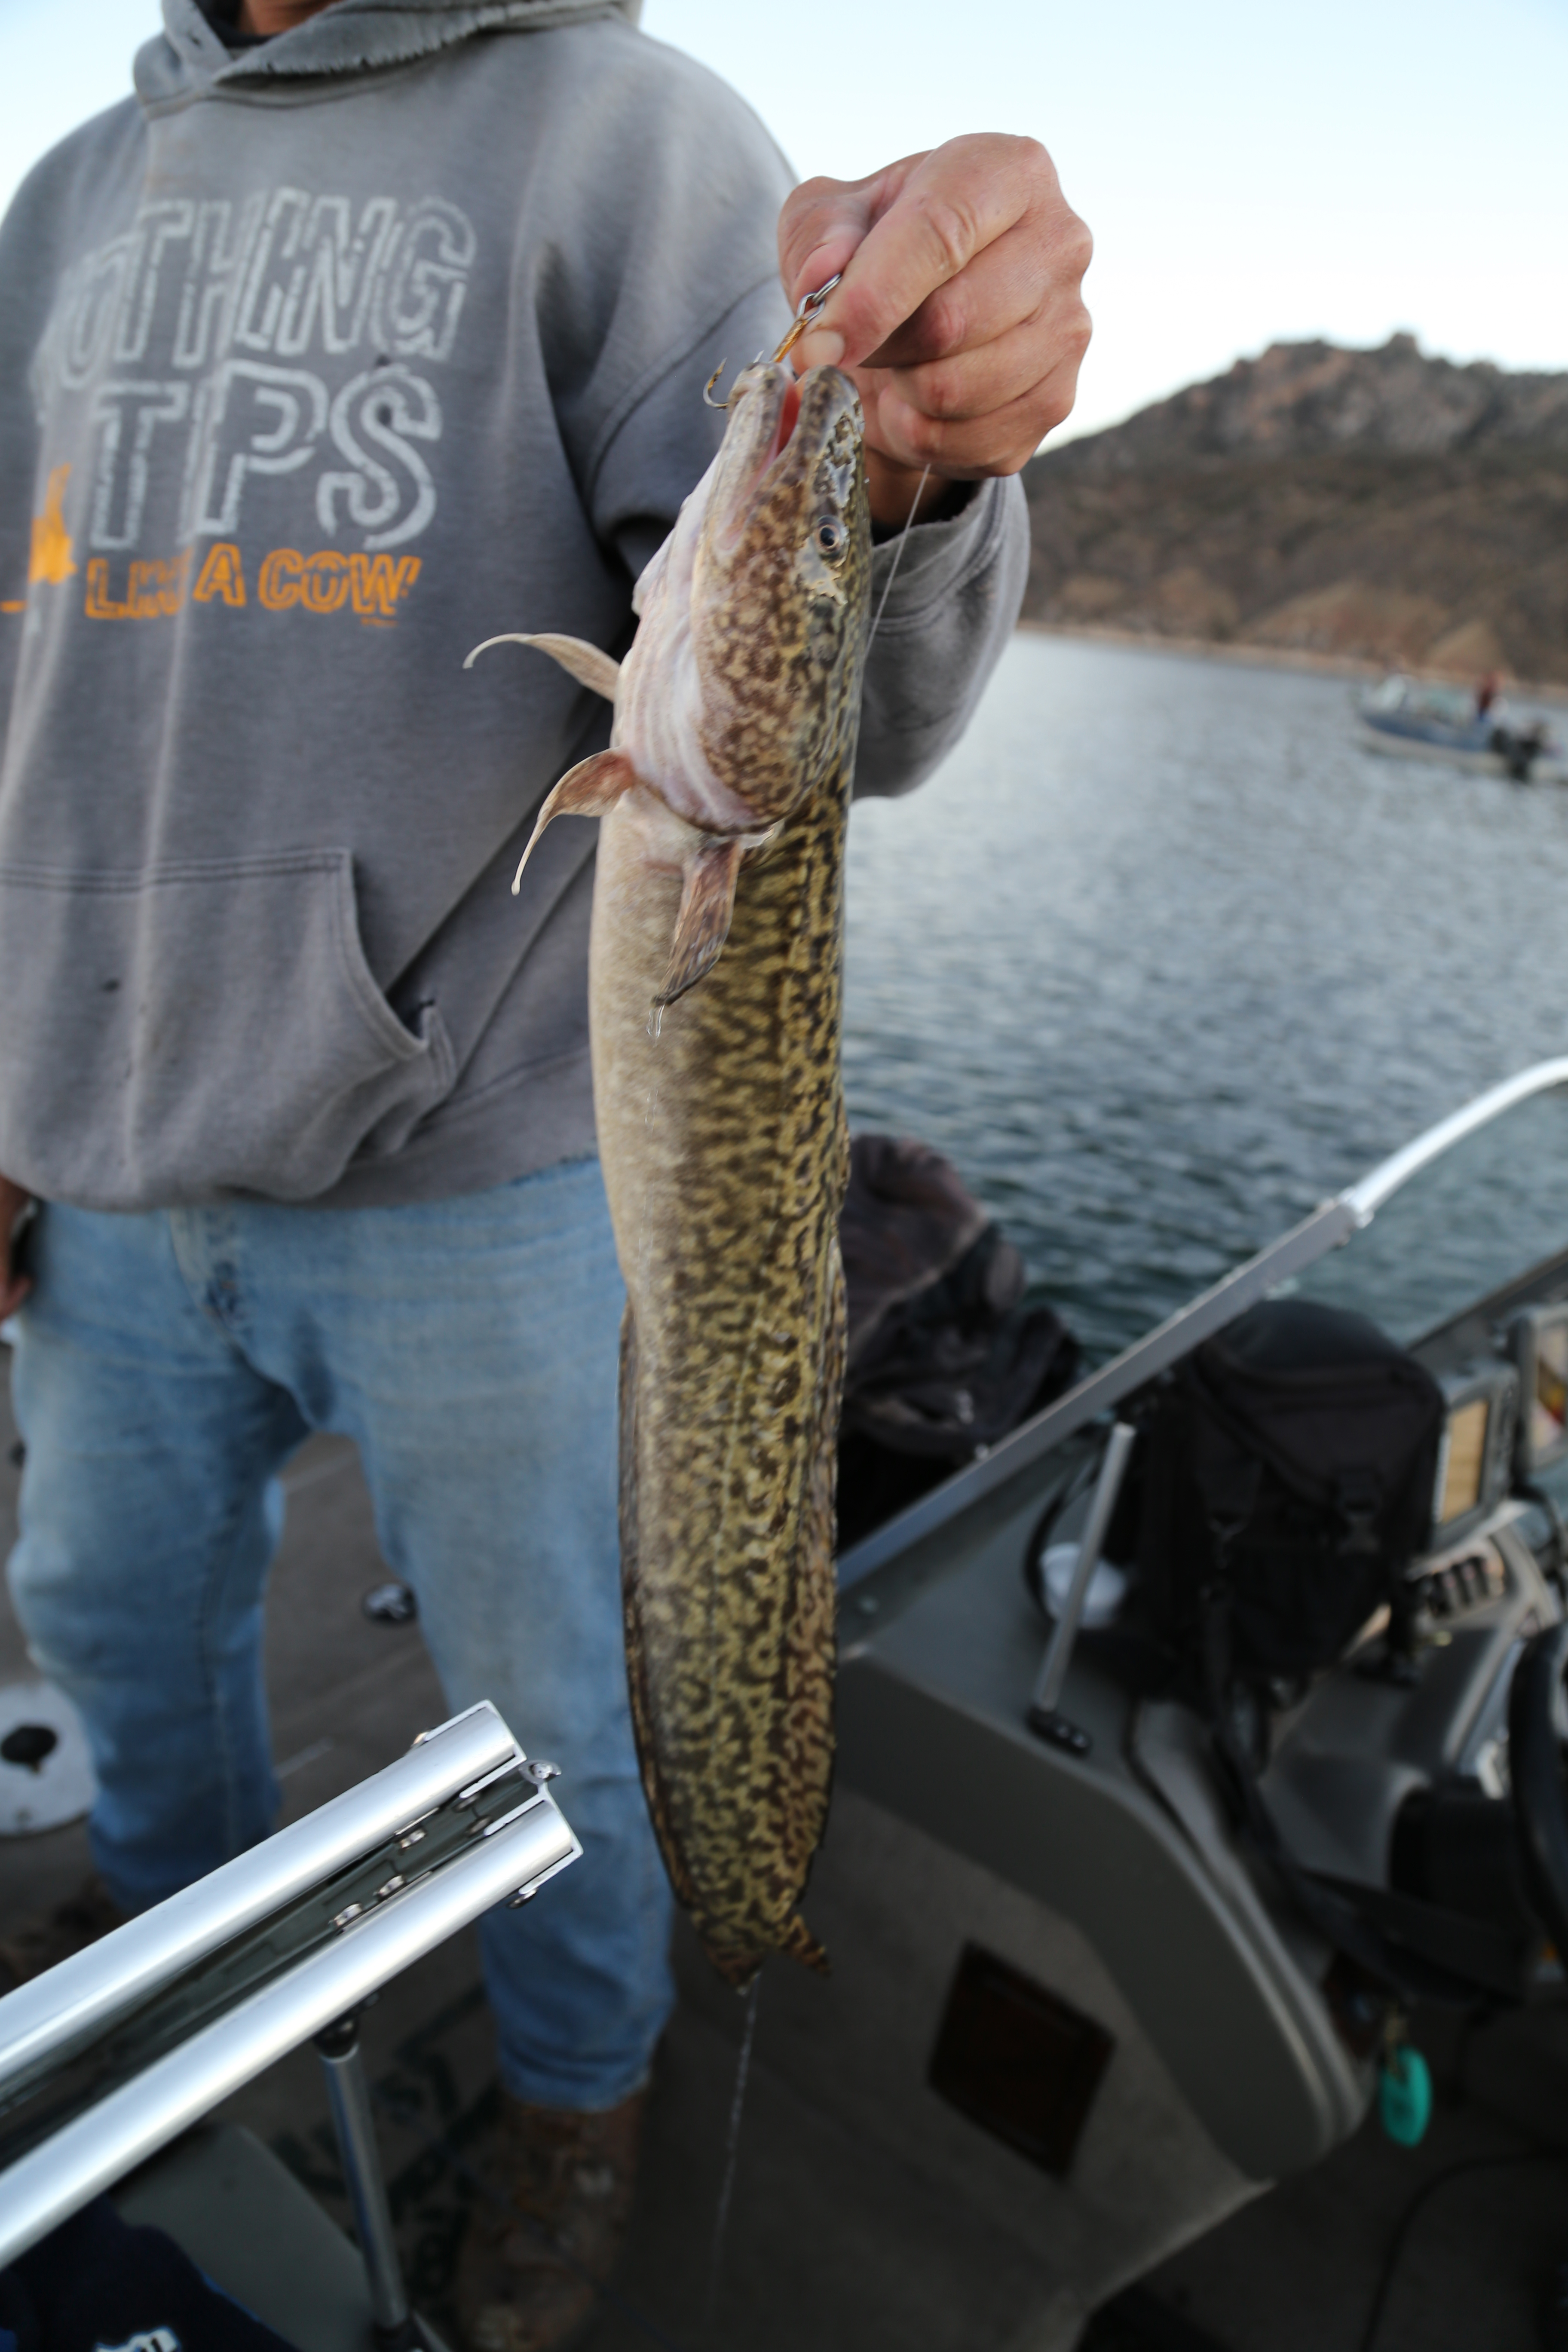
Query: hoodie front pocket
(199, 1029)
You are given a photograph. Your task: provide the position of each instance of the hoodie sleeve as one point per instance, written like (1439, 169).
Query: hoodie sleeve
(951, 606)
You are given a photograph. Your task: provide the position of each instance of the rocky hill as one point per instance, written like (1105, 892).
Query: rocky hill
(1375, 504)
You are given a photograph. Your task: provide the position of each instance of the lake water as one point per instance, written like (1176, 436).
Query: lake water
(1161, 956)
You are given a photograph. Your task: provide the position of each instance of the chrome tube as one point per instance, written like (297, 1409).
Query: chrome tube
(348, 2094)
(1060, 1648)
(60, 2011)
(101, 2145)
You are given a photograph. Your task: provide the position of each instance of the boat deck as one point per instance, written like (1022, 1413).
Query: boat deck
(838, 2239)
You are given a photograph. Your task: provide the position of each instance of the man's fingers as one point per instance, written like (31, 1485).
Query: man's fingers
(930, 218)
(958, 311)
(974, 380)
(1000, 441)
(970, 384)
(824, 221)
(999, 292)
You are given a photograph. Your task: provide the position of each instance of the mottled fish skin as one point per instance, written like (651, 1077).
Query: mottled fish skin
(726, 1156)
(725, 1151)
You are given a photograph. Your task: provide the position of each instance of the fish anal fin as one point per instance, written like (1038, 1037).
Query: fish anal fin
(590, 788)
(702, 925)
(589, 664)
(738, 1968)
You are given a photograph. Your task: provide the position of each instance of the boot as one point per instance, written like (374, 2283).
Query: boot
(530, 2272)
(50, 1937)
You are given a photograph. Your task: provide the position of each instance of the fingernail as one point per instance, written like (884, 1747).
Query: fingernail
(821, 348)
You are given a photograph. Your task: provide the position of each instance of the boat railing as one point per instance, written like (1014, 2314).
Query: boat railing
(1329, 1226)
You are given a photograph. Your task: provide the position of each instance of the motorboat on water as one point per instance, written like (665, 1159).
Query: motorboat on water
(1072, 1992)
(1403, 720)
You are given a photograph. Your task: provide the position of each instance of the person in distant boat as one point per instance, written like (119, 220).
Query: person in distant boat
(360, 333)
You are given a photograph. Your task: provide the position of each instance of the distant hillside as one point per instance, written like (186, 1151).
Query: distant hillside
(1377, 504)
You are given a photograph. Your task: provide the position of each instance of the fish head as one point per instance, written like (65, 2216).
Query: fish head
(780, 587)
(754, 614)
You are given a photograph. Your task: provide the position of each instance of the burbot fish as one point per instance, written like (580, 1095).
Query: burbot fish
(715, 993)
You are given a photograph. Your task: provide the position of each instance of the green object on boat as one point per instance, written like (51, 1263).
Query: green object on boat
(1404, 2096)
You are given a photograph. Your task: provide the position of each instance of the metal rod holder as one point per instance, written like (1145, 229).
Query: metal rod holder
(1044, 1716)
(349, 2094)
(479, 1820)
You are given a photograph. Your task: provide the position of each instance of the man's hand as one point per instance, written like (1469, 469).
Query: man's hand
(960, 315)
(270, 17)
(13, 1286)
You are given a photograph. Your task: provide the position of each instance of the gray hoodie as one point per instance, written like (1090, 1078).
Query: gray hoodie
(319, 363)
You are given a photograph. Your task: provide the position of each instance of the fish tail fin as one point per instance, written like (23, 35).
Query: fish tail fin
(590, 788)
(798, 1943)
(739, 1965)
(589, 664)
(739, 1970)
(702, 925)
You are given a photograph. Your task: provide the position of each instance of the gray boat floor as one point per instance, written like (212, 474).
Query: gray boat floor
(835, 2242)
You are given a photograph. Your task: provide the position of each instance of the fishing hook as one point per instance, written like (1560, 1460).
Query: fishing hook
(805, 316)
(708, 387)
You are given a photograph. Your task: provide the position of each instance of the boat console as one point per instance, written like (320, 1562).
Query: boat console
(1393, 1778)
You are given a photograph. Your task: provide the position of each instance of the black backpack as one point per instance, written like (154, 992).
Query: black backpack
(1283, 1485)
(945, 1353)
(1287, 1482)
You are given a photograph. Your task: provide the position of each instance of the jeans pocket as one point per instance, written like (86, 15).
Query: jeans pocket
(200, 1029)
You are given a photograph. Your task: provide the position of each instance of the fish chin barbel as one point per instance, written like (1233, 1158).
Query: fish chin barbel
(723, 797)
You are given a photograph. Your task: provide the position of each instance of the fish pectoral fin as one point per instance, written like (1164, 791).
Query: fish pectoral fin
(589, 664)
(589, 789)
(702, 926)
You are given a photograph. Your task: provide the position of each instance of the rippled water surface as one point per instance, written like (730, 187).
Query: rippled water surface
(1161, 956)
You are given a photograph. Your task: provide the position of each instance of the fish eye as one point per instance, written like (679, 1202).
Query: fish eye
(830, 536)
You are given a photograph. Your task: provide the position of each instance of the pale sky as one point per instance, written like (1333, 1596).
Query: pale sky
(1251, 171)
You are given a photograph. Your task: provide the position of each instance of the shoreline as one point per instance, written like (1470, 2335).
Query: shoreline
(1288, 657)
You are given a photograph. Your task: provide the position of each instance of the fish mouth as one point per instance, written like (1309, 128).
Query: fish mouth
(788, 418)
(780, 427)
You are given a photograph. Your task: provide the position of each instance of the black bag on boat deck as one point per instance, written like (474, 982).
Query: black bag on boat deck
(1287, 1482)
(945, 1356)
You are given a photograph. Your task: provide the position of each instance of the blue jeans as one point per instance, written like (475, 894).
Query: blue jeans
(169, 1364)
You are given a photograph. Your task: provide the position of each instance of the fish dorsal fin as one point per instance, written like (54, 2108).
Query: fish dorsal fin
(586, 662)
(702, 926)
(590, 788)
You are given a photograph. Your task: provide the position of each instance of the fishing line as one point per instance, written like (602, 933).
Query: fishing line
(732, 2149)
(898, 554)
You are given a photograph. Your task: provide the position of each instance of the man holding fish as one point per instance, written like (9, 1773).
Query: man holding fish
(361, 335)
